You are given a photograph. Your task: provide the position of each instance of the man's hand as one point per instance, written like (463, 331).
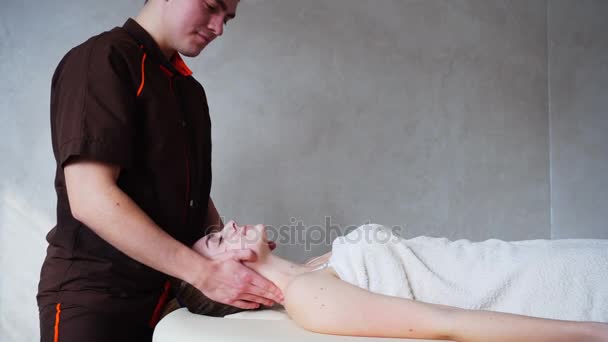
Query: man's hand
(226, 280)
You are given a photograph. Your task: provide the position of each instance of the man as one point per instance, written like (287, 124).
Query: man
(131, 136)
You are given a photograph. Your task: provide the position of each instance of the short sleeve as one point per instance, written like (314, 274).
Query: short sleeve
(93, 106)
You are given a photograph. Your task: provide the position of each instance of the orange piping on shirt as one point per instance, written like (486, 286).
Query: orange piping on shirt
(143, 79)
(180, 65)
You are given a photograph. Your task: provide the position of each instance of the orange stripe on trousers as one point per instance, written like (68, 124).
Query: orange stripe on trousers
(58, 309)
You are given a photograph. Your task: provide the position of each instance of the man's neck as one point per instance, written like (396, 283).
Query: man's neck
(148, 20)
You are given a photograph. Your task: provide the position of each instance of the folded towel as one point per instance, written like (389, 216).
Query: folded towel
(559, 279)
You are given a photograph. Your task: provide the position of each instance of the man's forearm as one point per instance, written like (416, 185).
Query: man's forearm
(113, 216)
(483, 326)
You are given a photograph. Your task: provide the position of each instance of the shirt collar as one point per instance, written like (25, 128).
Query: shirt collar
(176, 64)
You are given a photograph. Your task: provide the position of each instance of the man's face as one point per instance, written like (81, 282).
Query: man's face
(192, 24)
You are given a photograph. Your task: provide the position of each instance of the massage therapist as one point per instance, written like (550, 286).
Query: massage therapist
(131, 136)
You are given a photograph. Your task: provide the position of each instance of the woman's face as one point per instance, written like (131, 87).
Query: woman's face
(232, 237)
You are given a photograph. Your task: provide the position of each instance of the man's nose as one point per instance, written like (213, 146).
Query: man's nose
(216, 25)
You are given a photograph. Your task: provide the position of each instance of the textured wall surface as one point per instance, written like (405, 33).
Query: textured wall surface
(578, 88)
(34, 35)
(429, 115)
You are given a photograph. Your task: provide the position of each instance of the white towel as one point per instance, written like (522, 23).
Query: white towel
(559, 279)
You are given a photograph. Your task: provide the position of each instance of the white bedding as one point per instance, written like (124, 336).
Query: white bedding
(558, 279)
(562, 279)
(254, 326)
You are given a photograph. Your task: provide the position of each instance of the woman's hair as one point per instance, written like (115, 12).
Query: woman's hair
(190, 297)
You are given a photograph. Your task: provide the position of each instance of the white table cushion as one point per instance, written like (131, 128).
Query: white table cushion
(257, 326)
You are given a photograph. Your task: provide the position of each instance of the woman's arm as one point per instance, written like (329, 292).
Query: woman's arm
(321, 302)
(483, 326)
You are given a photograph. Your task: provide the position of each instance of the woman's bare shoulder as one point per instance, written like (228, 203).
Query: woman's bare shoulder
(307, 284)
(309, 296)
(328, 271)
(319, 259)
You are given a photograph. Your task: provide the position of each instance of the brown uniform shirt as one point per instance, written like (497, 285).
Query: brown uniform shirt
(117, 99)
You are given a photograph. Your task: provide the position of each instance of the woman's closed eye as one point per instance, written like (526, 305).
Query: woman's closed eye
(218, 238)
(215, 236)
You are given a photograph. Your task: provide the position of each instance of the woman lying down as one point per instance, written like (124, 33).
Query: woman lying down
(376, 284)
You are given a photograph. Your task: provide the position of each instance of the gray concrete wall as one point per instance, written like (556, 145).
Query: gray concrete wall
(430, 115)
(34, 35)
(578, 88)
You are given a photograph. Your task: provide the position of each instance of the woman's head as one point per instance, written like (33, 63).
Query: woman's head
(233, 236)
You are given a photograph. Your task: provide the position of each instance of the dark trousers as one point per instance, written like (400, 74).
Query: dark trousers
(71, 323)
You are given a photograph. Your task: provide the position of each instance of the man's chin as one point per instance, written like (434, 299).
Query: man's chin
(192, 50)
(191, 53)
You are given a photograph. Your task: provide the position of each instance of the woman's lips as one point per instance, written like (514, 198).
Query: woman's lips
(272, 245)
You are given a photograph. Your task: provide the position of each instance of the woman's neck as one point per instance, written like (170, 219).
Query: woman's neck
(278, 270)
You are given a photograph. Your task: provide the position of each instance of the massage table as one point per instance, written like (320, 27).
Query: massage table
(249, 326)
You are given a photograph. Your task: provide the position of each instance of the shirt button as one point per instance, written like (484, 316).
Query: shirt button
(182, 122)
(192, 203)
